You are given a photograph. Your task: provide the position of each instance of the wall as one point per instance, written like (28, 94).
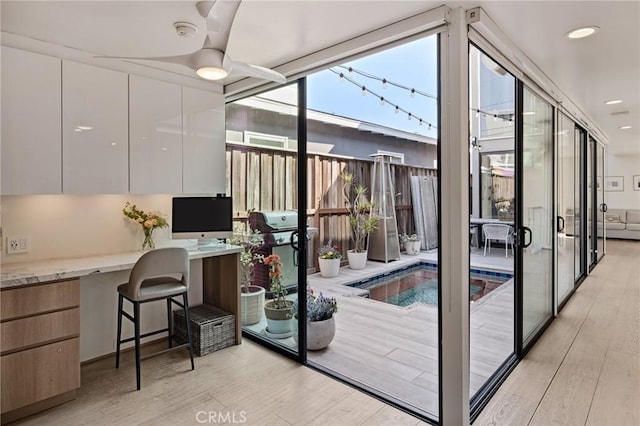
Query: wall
(625, 165)
(72, 226)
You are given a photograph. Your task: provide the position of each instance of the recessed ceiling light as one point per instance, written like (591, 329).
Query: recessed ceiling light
(625, 127)
(582, 32)
(614, 101)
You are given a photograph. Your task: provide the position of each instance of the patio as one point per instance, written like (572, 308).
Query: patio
(395, 349)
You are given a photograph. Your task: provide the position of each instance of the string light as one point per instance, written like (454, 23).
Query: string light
(350, 71)
(382, 99)
(341, 78)
(386, 82)
(413, 93)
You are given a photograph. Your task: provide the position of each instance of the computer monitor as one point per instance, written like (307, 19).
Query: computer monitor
(204, 218)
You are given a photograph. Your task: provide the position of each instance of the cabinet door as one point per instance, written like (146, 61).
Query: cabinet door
(95, 130)
(155, 136)
(37, 374)
(203, 142)
(30, 121)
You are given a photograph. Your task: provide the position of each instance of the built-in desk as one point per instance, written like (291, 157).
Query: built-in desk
(43, 312)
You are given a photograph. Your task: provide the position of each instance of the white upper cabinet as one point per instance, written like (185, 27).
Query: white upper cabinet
(203, 142)
(155, 136)
(31, 117)
(95, 130)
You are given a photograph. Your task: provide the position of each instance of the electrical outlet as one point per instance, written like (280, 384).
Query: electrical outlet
(19, 244)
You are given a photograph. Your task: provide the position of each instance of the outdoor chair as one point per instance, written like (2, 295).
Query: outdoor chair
(497, 232)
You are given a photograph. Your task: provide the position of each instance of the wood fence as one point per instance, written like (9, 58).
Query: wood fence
(264, 179)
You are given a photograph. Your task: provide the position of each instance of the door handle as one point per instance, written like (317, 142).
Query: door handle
(560, 223)
(525, 231)
(294, 240)
(603, 208)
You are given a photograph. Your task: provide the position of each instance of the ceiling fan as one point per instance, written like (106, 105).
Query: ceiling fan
(212, 62)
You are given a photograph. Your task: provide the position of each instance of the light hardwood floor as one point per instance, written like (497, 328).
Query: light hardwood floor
(583, 371)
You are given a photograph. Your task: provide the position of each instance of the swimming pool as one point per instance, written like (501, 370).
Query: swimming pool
(418, 283)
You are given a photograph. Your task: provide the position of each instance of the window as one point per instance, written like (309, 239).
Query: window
(274, 141)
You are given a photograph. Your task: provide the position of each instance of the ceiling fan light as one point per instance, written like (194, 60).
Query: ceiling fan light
(208, 64)
(211, 73)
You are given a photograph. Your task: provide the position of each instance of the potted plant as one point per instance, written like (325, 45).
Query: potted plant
(278, 310)
(251, 296)
(329, 257)
(411, 243)
(321, 325)
(360, 219)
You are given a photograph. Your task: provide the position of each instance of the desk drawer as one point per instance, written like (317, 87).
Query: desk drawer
(39, 329)
(26, 301)
(39, 373)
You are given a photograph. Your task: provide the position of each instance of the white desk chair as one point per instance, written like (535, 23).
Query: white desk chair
(497, 232)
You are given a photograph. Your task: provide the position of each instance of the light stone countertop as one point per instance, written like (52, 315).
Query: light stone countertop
(24, 273)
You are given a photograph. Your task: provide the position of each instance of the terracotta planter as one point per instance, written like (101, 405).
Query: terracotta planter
(278, 320)
(319, 333)
(357, 260)
(412, 247)
(252, 304)
(329, 268)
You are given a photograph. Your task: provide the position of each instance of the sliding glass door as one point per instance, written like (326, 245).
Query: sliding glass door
(600, 201)
(535, 224)
(570, 192)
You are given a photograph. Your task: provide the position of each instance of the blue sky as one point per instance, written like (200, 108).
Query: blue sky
(413, 65)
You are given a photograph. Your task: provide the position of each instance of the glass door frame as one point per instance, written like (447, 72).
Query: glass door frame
(520, 234)
(593, 256)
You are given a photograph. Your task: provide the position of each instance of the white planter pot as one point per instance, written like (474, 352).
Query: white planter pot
(252, 305)
(278, 320)
(329, 268)
(319, 333)
(357, 260)
(412, 247)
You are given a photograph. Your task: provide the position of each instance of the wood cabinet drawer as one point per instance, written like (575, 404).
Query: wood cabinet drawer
(31, 331)
(36, 374)
(32, 300)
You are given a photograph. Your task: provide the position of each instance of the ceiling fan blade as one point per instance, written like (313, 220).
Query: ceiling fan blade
(212, 21)
(219, 21)
(240, 68)
(184, 60)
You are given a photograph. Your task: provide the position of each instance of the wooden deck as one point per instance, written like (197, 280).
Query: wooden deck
(395, 349)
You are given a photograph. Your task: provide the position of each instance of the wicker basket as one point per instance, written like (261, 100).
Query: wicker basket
(211, 328)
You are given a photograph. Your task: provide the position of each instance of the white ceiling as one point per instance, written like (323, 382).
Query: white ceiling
(270, 33)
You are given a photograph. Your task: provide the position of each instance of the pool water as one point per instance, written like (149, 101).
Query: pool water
(419, 284)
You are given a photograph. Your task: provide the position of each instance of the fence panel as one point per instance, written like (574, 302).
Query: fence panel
(264, 178)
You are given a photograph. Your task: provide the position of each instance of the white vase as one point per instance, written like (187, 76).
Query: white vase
(252, 304)
(319, 333)
(412, 247)
(329, 268)
(357, 260)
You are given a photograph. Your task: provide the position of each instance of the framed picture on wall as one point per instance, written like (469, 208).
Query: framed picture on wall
(636, 182)
(614, 183)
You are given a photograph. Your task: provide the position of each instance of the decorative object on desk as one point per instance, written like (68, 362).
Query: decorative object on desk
(277, 310)
(614, 183)
(251, 296)
(360, 219)
(411, 243)
(329, 257)
(149, 222)
(321, 324)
